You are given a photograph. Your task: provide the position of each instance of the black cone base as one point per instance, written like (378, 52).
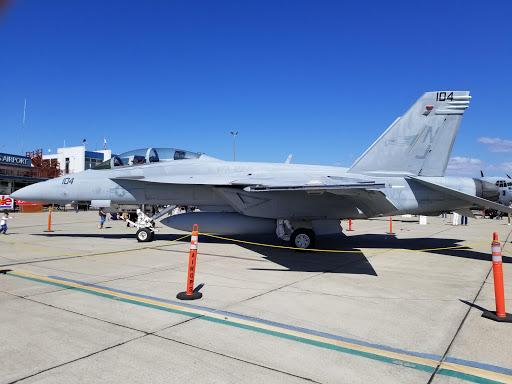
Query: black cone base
(492, 315)
(184, 296)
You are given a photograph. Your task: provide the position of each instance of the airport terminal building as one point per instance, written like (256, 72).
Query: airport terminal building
(78, 159)
(17, 172)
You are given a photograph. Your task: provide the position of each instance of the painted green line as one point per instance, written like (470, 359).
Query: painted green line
(368, 355)
(467, 377)
(117, 298)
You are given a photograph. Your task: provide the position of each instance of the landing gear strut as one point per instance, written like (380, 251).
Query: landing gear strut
(146, 225)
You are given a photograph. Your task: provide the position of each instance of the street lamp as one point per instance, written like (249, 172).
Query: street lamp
(234, 145)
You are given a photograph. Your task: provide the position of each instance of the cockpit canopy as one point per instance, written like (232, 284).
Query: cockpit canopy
(147, 156)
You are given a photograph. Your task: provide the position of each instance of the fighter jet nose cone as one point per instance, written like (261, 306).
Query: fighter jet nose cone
(46, 192)
(29, 193)
(20, 194)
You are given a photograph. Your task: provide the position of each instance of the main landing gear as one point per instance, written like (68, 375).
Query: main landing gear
(303, 238)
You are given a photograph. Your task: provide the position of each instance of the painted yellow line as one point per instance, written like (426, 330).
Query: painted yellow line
(399, 358)
(390, 354)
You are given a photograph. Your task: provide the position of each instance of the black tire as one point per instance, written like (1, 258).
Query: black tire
(144, 235)
(303, 238)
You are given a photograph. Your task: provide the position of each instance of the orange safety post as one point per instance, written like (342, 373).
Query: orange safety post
(390, 226)
(49, 219)
(350, 225)
(189, 294)
(499, 289)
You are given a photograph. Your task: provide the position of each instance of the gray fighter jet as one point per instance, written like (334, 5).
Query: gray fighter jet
(401, 173)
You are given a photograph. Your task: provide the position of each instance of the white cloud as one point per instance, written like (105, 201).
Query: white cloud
(495, 144)
(470, 166)
(507, 166)
(464, 166)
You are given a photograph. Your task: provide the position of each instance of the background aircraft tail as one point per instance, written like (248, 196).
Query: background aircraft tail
(419, 142)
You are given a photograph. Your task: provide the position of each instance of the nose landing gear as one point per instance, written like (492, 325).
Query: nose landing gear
(146, 225)
(145, 234)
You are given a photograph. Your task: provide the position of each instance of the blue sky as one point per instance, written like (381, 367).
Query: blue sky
(318, 79)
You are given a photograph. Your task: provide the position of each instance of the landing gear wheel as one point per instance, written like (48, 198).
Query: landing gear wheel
(144, 235)
(303, 238)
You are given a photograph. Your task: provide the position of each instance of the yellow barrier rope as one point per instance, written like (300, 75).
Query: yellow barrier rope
(339, 251)
(100, 254)
(506, 250)
(251, 243)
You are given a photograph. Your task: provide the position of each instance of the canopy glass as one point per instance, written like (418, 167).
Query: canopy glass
(147, 156)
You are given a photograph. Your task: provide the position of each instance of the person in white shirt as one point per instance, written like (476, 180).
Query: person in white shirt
(3, 223)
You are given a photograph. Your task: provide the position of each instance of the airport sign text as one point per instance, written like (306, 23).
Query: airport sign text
(14, 160)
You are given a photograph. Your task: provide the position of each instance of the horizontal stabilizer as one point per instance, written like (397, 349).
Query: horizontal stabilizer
(465, 212)
(464, 196)
(319, 187)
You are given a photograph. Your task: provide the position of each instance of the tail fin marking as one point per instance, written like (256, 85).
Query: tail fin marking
(419, 142)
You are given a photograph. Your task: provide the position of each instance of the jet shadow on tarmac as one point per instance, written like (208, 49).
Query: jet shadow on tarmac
(353, 262)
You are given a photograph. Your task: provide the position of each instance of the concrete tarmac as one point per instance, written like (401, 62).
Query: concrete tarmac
(89, 305)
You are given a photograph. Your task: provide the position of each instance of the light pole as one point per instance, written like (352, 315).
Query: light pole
(234, 145)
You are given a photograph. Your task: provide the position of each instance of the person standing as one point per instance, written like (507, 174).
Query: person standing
(510, 206)
(103, 216)
(3, 223)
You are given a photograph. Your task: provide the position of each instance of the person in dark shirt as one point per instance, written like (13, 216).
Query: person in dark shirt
(103, 216)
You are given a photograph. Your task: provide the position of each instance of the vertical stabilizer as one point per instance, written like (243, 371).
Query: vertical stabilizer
(421, 141)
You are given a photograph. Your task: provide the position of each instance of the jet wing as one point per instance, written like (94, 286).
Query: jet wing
(181, 179)
(464, 196)
(278, 196)
(262, 182)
